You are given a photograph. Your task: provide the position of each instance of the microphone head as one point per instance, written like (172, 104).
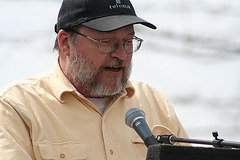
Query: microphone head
(132, 115)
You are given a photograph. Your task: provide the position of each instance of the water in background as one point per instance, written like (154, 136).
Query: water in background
(195, 61)
(193, 57)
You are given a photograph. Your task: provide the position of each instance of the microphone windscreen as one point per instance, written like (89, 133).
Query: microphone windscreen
(132, 114)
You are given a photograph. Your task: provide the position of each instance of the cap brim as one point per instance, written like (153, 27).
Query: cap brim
(111, 23)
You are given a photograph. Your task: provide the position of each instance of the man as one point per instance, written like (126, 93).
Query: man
(76, 111)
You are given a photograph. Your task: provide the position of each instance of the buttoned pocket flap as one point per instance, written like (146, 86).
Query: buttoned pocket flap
(140, 148)
(137, 140)
(64, 150)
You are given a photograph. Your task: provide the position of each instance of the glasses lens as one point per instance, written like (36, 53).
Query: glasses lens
(133, 45)
(107, 46)
(110, 45)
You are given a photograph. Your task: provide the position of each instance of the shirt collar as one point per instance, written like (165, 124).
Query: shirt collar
(129, 90)
(61, 85)
(59, 82)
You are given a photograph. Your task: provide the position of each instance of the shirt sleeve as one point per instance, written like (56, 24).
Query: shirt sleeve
(15, 141)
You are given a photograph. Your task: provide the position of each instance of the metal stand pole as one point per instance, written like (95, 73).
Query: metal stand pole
(171, 139)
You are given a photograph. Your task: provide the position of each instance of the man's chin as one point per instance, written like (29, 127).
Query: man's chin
(106, 90)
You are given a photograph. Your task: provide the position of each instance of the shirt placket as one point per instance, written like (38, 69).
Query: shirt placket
(110, 148)
(109, 142)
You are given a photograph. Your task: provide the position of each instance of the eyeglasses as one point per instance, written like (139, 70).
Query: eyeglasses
(108, 46)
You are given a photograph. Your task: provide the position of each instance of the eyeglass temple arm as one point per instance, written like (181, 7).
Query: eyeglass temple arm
(83, 35)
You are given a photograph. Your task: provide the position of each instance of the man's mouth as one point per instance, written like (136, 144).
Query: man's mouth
(115, 69)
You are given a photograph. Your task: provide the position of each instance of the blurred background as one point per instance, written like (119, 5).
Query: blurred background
(193, 57)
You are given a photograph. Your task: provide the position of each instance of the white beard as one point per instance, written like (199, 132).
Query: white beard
(84, 74)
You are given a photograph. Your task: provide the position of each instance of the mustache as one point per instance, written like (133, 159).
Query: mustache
(115, 63)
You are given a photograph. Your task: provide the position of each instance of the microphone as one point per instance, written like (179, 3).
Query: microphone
(135, 118)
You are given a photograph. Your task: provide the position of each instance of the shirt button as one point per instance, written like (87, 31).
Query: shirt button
(111, 152)
(62, 155)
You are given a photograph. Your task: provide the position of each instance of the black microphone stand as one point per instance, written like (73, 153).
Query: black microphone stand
(171, 139)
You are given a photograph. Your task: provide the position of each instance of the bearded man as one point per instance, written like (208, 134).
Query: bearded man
(76, 110)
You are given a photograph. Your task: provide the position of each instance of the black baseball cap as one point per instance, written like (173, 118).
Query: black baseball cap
(100, 15)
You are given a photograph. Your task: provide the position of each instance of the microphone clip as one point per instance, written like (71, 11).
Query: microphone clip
(166, 139)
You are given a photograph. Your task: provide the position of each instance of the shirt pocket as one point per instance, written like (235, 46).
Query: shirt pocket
(63, 151)
(140, 148)
(139, 145)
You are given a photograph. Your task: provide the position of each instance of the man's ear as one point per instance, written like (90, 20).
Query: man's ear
(64, 40)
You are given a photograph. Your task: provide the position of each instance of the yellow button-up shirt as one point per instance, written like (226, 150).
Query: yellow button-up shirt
(45, 117)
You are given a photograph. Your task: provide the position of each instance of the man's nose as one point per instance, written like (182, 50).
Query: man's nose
(120, 52)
